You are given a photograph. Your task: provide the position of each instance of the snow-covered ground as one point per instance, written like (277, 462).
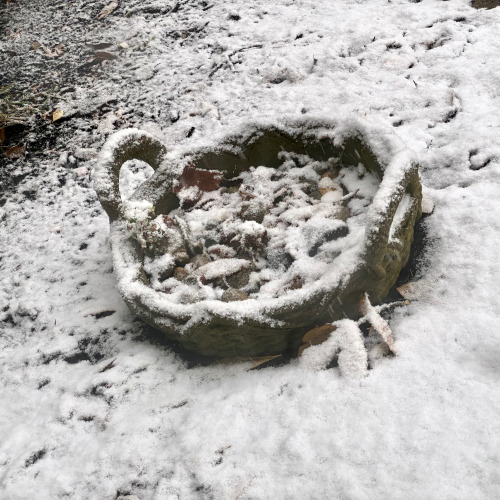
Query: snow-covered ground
(92, 408)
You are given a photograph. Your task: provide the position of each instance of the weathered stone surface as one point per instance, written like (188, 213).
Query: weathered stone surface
(279, 258)
(222, 268)
(485, 4)
(199, 260)
(180, 273)
(239, 279)
(253, 210)
(233, 295)
(315, 194)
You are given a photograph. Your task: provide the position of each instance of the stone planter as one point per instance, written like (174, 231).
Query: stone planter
(256, 327)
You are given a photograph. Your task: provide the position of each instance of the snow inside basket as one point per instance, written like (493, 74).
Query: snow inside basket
(240, 247)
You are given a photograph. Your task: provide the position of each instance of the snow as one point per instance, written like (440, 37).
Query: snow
(422, 424)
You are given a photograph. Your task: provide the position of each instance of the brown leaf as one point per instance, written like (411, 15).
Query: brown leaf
(205, 180)
(2, 135)
(414, 290)
(169, 221)
(263, 359)
(15, 152)
(100, 55)
(57, 115)
(99, 46)
(316, 336)
(108, 10)
(56, 52)
(36, 45)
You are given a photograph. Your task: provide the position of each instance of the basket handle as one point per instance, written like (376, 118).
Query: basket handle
(126, 145)
(381, 216)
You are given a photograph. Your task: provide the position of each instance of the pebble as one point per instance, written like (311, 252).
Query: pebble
(233, 295)
(180, 273)
(253, 210)
(199, 260)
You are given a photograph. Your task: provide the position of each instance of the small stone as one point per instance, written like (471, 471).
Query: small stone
(342, 213)
(233, 295)
(181, 258)
(296, 283)
(278, 258)
(166, 240)
(199, 260)
(239, 279)
(253, 210)
(180, 274)
(222, 268)
(315, 195)
(194, 280)
(221, 251)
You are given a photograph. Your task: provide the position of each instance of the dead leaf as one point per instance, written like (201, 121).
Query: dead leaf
(316, 336)
(15, 152)
(263, 359)
(2, 135)
(415, 289)
(379, 323)
(99, 46)
(100, 55)
(57, 51)
(108, 10)
(108, 366)
(205, 180)
(36, 45)
(57, 115)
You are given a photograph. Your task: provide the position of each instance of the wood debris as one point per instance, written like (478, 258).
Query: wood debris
(379, 324)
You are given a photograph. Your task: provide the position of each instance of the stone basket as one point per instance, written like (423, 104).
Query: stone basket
(264, 327)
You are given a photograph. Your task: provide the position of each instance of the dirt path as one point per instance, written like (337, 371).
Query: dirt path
(53, 54)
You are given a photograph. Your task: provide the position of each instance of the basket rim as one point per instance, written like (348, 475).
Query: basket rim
(396, 161)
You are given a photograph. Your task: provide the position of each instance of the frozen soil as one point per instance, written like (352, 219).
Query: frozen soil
(94, 406)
